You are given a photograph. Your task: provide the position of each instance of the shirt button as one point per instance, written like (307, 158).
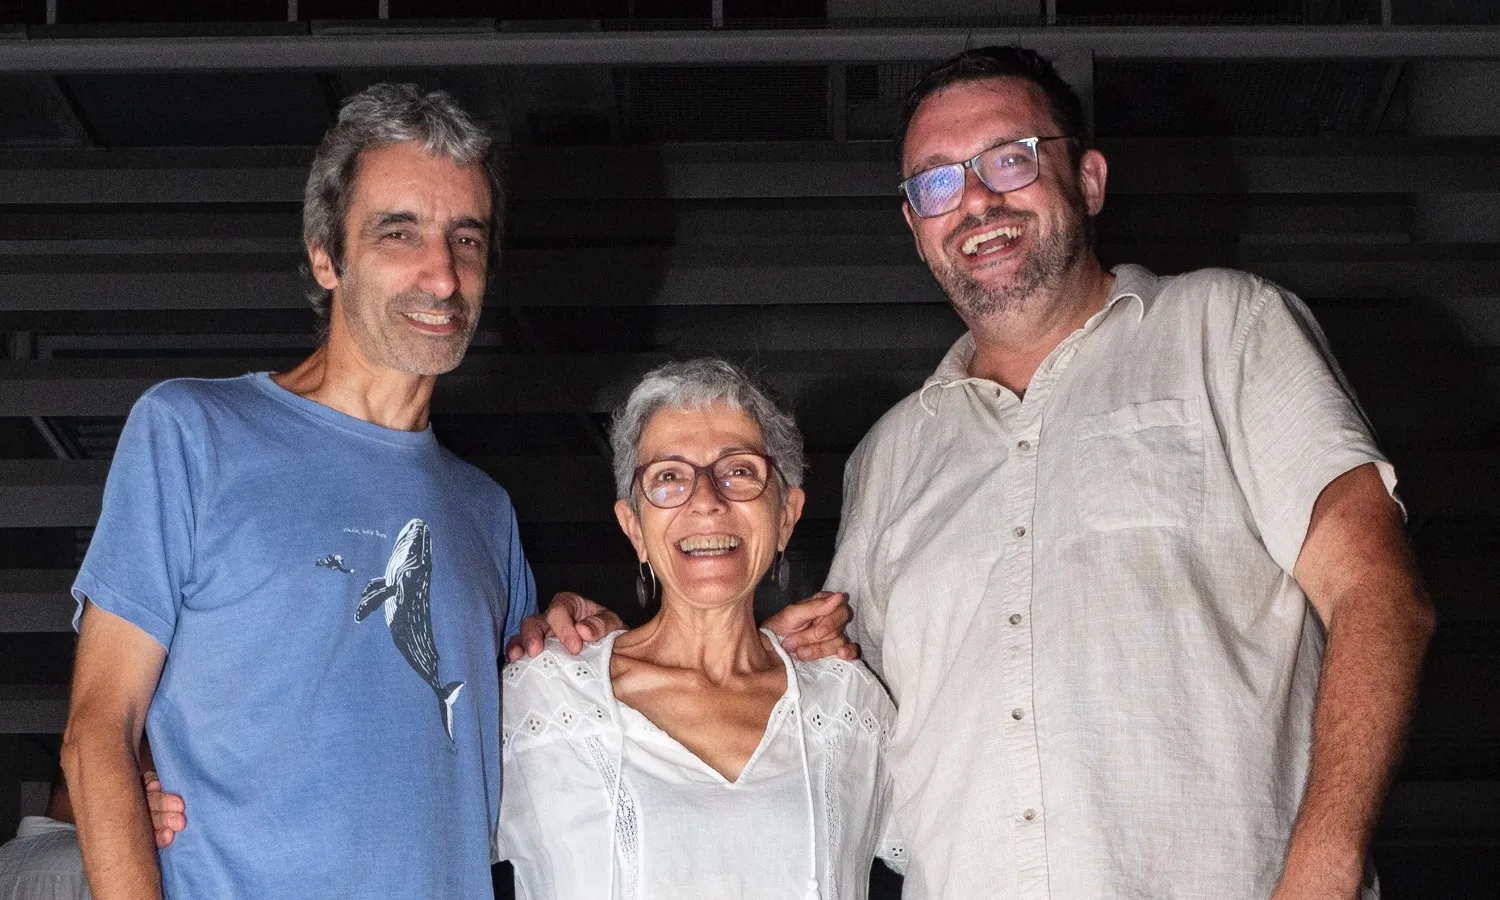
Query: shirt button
(1019, 531)
(1023, 446)
(1015, 618)
(1017, 714)
(1028, 814)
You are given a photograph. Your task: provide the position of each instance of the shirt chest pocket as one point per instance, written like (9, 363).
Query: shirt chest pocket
(1140, 466)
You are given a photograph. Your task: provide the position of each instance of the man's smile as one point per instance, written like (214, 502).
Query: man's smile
(992, 241)
(432, 323)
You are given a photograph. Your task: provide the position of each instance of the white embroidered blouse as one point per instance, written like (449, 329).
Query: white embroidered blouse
(808, 813)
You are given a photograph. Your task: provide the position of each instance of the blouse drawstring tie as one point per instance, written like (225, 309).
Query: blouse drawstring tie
(812, 822)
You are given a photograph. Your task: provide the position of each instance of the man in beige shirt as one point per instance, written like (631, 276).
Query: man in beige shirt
(1129, 561)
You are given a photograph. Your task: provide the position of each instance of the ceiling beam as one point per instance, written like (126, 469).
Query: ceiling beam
(493, 383)
(49, 493)
(416, 50)
(794, 272)
(33, 708)
(38, 600)
(1394, 164)
(41, 493)
(483, 384)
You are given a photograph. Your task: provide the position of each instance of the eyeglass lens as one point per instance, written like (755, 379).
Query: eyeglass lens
(1008, 167)
(740, 477)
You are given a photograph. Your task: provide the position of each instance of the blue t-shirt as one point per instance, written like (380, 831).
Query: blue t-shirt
(333, 597)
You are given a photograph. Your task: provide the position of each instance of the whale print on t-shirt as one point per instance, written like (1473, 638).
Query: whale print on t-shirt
(405, 592)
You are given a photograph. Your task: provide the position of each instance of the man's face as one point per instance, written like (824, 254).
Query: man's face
(416, 251)
(985, 273)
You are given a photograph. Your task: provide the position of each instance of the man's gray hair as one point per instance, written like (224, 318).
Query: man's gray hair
(697, 384)
(379, 116)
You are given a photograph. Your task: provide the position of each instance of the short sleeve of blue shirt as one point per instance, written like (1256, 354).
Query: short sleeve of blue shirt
(141, 556)
(519, 581)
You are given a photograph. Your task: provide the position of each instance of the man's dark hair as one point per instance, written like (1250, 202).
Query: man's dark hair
(985, 63)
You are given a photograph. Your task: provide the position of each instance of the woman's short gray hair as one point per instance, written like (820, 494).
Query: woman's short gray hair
(696, 384)
(379, 116)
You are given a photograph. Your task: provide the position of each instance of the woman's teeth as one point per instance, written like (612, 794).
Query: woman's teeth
(1009, 232)
(708, 544)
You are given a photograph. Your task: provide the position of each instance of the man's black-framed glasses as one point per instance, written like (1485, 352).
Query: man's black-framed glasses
(1002, 168)
(740, 476)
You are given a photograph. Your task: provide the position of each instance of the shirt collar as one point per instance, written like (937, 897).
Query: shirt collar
(1137, 283)
(34, 825)
(1132, 281)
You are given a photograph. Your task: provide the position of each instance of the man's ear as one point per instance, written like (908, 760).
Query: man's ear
(911, 222)
(323, 269)
(630, 523)
(1093, 172)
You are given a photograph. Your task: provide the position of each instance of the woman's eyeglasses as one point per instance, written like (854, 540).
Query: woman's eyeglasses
(740, 477)
(1003, 168)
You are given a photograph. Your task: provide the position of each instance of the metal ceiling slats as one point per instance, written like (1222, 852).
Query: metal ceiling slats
(754, 170)
(513, 384)
(1283, 98)
(626, 277)
(66, 493)
(421, 48)
(755, 232)
(204, 109)
(722, 104)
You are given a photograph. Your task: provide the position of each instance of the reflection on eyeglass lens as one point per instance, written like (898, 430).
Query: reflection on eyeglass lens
(1008, 167)
(738, 476)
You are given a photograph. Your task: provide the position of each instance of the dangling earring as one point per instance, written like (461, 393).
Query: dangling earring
(643, 594)
(783, 571)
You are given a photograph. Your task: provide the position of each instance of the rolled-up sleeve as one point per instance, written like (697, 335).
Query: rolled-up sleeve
(1291, 422)
(141, 554)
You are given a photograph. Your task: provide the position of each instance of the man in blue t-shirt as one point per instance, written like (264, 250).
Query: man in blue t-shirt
(293, 588)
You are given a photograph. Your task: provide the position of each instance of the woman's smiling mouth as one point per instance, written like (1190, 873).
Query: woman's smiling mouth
(709, 544)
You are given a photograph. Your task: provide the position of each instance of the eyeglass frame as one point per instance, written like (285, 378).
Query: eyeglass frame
(772, 470)
(968, 164)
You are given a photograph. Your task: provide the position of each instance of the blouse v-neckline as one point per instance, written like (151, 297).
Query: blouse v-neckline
(627, 713)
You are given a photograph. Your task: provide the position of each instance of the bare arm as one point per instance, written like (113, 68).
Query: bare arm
(1357, 571)
(114, 678)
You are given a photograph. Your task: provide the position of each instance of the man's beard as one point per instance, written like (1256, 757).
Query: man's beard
(1043, 266)
(375, 327)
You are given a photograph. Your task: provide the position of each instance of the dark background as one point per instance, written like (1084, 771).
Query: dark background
(738, 199)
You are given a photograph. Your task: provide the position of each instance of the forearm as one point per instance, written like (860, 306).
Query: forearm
(1365, 699)
(114, 824)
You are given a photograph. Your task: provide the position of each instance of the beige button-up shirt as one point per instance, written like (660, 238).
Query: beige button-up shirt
(1082, 601)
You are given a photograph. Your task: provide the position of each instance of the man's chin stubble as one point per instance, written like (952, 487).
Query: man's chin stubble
(976, 301)
(1040, 270)
(437, 364)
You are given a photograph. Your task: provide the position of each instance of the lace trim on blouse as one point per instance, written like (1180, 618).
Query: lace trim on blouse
(627, 831)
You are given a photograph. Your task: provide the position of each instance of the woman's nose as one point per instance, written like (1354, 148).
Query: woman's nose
(704, 493)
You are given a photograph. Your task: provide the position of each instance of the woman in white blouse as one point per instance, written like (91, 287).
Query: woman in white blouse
(692, 757)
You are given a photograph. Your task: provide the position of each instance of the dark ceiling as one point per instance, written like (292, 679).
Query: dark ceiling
(149, 222)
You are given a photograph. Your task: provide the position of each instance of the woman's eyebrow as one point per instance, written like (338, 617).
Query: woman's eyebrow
(723, 452)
